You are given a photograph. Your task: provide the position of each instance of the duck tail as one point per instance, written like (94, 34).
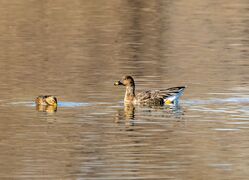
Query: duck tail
(174, 95)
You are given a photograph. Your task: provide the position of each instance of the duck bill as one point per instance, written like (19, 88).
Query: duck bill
(118, 83)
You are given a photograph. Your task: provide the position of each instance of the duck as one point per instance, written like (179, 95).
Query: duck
(169, 96)
(47, 100)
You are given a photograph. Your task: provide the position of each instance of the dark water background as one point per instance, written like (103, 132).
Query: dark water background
(77, 49)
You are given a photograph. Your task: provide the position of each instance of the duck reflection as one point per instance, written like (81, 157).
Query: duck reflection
(129, 111)
(46, 108)
(127, 114)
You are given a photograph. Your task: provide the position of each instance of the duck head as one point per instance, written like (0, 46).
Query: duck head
(127, 81)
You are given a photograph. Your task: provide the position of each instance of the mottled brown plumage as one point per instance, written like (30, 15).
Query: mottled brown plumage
(46, 100)
(150, 97)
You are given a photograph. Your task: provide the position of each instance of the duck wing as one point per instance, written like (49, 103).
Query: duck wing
(150, 97)
(161, 96)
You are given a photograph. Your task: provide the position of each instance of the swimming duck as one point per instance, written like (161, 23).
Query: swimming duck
(46, 100)
(168, 96)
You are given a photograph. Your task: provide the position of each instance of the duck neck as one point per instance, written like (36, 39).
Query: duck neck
(129, 94)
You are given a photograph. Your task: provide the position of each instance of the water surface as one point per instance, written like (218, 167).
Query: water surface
(76, 50)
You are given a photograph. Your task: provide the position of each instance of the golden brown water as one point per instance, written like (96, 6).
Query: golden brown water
(76, 50)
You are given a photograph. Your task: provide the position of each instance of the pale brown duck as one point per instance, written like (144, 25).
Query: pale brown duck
(168, 96)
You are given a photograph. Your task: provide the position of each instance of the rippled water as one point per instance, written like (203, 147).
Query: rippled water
(76, 50)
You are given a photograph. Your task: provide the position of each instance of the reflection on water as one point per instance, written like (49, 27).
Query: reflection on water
(128, 113)
(75, 50)
(233, 100)
(49, 109)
